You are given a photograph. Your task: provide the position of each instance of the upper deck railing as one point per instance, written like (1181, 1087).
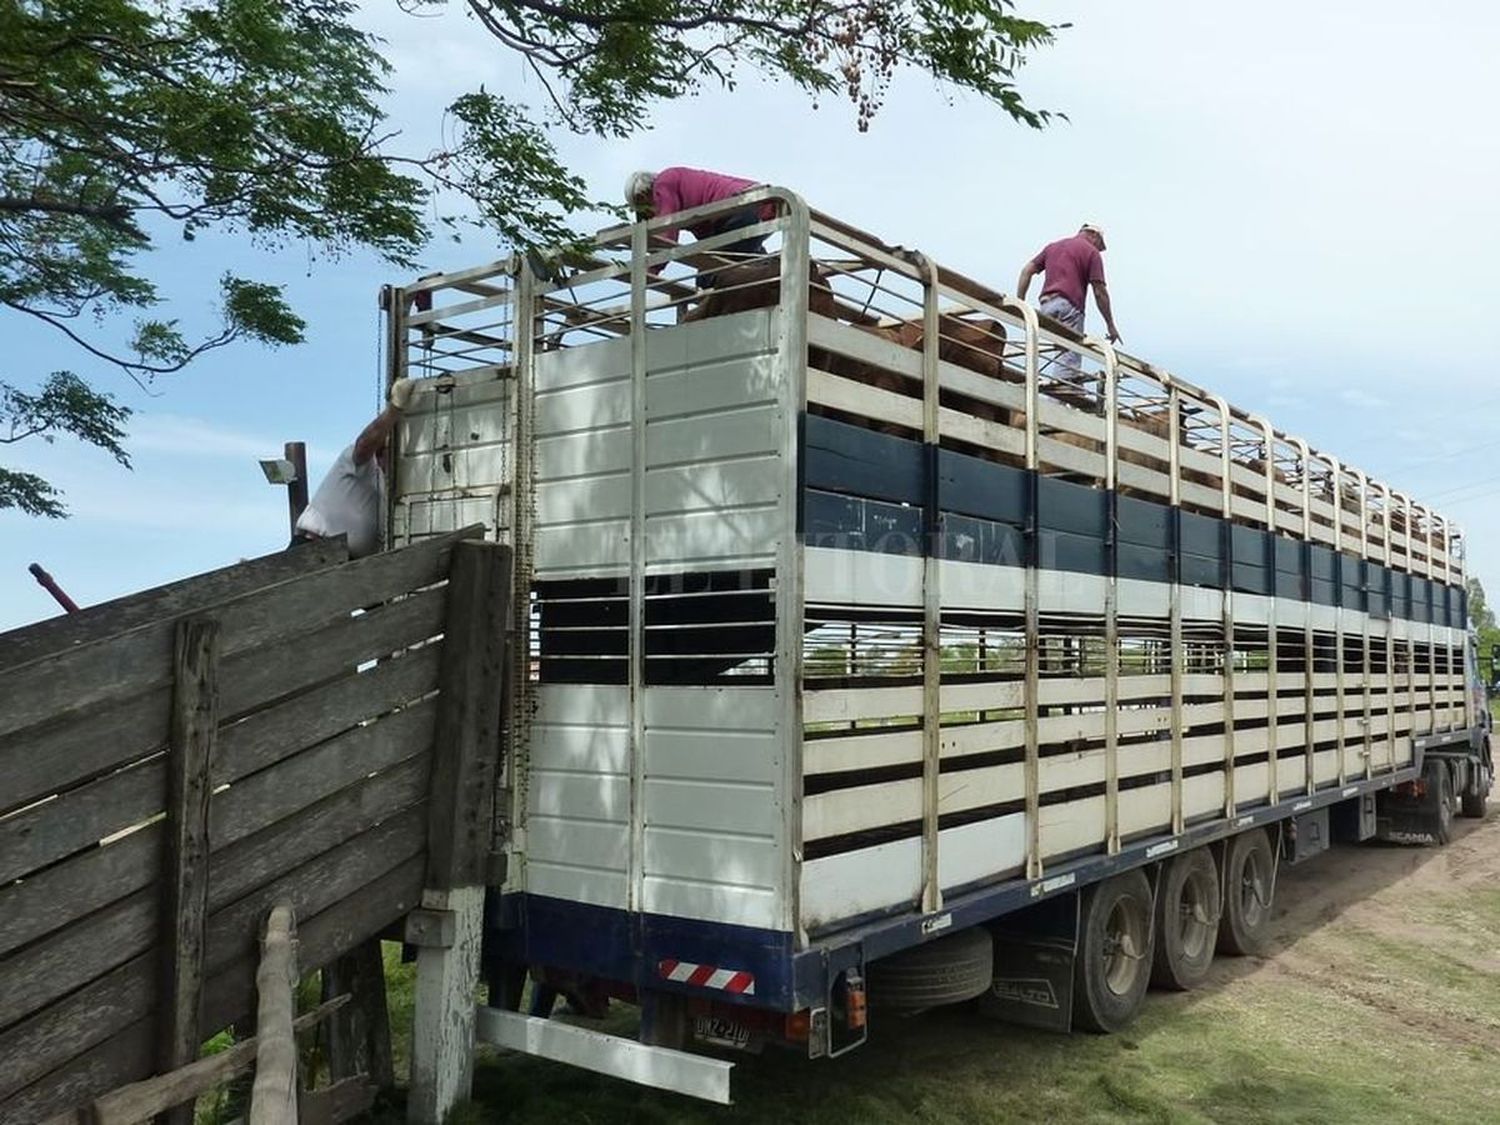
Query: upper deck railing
(1002, 381)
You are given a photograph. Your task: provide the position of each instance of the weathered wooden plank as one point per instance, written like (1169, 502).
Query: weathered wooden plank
(139, 1100)
(163, 603)
(40, 761)
(76, 955)
(51, 831)
(126, 1055)
(264, 798)
(93, 946)
(132, 662)
(57, 896)
(87, 1017)
(347, 1098)
(100, 876)
(466, 744)
(358, 1039)
(273, 1099)
(194, 728)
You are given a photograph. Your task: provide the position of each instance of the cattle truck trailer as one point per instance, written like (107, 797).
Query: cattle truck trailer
(881, 644)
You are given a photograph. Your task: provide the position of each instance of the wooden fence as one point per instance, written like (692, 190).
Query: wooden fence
(174, 763)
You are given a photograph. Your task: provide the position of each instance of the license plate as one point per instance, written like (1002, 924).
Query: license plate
(721, 1032)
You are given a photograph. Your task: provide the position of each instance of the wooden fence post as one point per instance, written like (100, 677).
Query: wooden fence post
(273, 1098)
(193, 731)
(449, 927)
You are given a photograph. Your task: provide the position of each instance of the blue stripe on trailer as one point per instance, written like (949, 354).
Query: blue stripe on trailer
(864, 491)
(612, 943)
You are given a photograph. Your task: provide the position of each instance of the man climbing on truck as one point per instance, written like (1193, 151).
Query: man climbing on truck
(1071, 265)
(656, 194)
(348, 501)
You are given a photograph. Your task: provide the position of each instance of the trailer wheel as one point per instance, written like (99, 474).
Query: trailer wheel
(1249, 882)
(1476, 794)
(1113, 966)
(1440, 791)
(949, 970)
(1187, 920)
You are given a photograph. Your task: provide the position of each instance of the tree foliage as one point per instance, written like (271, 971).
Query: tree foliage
(126, 122)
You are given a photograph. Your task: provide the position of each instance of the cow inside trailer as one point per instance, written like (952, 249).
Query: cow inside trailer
(864, 607)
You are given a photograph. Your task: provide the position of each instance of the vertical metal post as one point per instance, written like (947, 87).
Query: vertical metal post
(932, 597)
(1390, 641)
(1309, 652)
(637, 580)
(1364, 588)
(1431, 568)
(1111, 601)
(1338, 612)
(1179, 657)
(1033, 616)
(796, 252)
(1226, 493)
(1269, 437)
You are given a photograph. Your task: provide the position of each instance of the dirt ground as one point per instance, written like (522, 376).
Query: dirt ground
(1380, 1000)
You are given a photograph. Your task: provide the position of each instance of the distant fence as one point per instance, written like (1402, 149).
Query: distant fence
(174, 763)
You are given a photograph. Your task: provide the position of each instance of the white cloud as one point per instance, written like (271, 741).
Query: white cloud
(179, 435)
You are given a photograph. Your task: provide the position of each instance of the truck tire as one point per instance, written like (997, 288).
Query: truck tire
(1187, 920)
(949, 970)
(1249, 883)
(1113, 965)
(1476, 794)
(1440, 793)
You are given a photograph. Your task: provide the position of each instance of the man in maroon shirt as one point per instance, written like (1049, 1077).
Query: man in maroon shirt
(1071, 265)
(654, 194)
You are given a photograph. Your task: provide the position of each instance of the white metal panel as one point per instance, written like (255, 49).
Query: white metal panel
(981, 850)
(733, 901)
(576, 410)
(576, 883)
(1072, 826)
(713, 385)
(742, 537)
(712, 808)
(861, 578)
(582, 548)
(1149, 807)
(582, 500)
(602, 361)
(853, 883)
(1060, 591)
(865, 750)
(734, 433)
(603, 451)
(968, 585)
(1200, 604)
(1137, 597)
(714, 486)
(1202, 793)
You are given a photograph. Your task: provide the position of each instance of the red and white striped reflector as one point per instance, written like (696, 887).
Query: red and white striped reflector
(736, 981)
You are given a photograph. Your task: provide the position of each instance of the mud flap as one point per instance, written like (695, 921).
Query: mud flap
(1035, 950)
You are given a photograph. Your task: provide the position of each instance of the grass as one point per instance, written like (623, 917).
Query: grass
(1268, 1046)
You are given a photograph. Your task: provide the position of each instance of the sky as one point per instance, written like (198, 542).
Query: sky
(1299, 202)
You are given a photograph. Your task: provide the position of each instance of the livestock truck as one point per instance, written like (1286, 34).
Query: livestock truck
(881, 644)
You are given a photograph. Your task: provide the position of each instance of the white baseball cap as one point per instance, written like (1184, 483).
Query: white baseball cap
(638, 184)
(1090, 228)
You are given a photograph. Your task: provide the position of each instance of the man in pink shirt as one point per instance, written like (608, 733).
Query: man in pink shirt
(654, 194)
(1072, 266)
